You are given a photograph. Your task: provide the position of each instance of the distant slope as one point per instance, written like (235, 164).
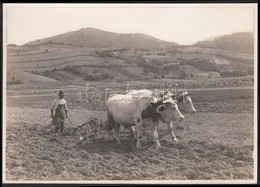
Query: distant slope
(240, 42)
(25, 77)
(94, 38)
(79, 64)
(96, 55)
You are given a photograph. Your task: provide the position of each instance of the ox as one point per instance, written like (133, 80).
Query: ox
(184, 102)
(130, 110)
(185, 105)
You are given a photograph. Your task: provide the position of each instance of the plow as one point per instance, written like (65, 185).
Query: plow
(93, 128)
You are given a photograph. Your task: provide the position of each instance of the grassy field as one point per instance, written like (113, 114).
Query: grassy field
(211, 146)
(221, 101)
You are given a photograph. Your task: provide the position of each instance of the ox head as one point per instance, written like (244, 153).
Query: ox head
(168, 110)
(185, 102)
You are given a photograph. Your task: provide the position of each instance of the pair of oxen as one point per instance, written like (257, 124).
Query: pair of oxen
(146, 107)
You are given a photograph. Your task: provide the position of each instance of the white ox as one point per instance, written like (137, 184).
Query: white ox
(183, 99)
(184, 102)
(130, 110)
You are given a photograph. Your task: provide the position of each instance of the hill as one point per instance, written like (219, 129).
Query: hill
(100, 56)
(95, 38)
(240, 42)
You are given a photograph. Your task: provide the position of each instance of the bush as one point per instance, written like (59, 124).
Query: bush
(89, 77)
(55, 69)
(46, 73)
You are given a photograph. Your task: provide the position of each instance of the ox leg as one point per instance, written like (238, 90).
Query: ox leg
(117, 128)
(139, 129)
(132, 130)
(107, 135)
(108, 132)
(110, 125)
(170, 126)
(155, 134)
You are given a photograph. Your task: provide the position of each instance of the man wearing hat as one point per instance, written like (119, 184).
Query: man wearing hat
(59, 105)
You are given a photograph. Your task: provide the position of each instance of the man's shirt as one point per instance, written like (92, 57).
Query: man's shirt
(57, 102)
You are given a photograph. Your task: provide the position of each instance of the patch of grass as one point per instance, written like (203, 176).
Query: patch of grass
(222, 95)
(223, 101)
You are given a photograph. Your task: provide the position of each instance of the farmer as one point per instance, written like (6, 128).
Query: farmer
(59, 105)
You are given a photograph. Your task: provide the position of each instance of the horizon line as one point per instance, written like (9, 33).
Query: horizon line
(209, 38)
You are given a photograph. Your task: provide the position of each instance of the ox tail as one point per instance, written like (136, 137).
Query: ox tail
(110, 121)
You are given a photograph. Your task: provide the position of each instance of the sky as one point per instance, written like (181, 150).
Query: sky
(183, 24)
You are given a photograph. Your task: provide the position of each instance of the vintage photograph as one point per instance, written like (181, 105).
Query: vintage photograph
(130, 93)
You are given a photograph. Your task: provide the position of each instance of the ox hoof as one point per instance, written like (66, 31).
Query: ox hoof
(175, 140)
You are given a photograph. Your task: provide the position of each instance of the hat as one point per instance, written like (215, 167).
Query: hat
(61, 93)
